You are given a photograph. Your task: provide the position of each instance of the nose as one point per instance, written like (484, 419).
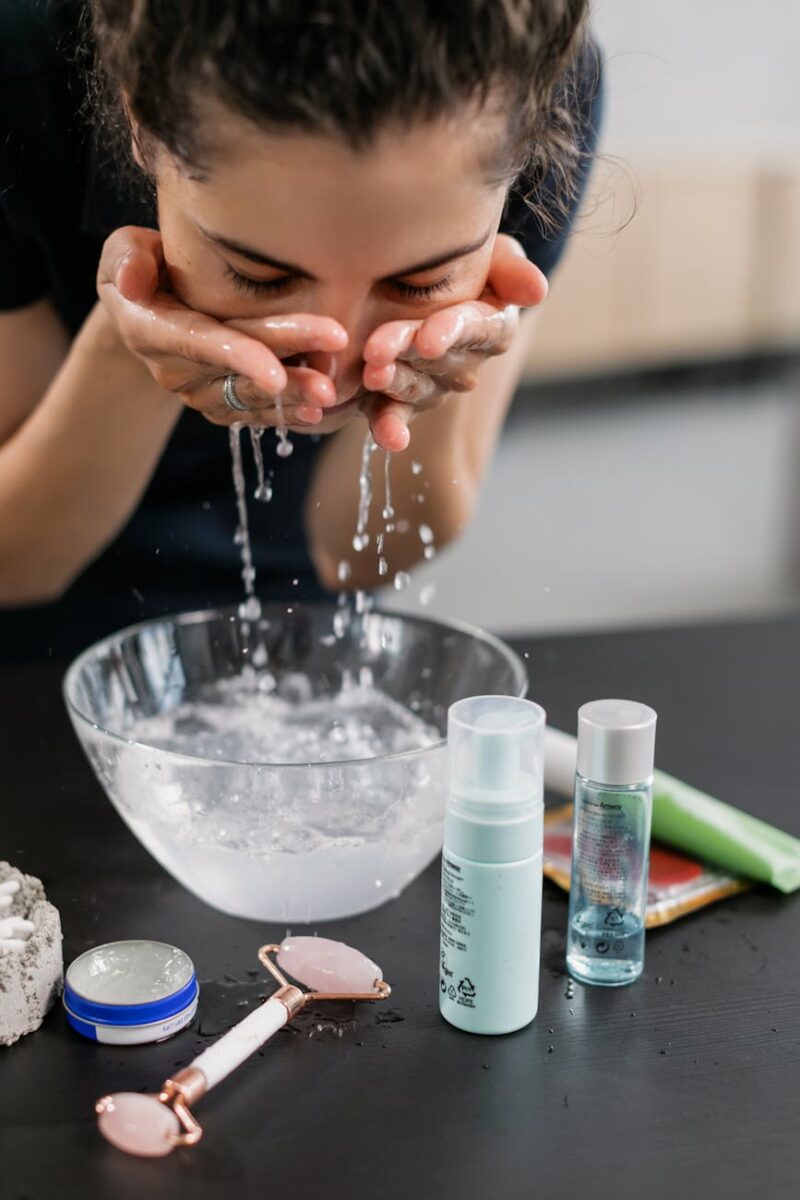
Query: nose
(353, 314)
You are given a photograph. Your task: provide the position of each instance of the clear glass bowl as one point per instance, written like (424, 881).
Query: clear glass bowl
(282, 841)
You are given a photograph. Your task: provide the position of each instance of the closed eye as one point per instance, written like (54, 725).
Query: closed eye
(275, 287)
(421, 291)
(259, 287)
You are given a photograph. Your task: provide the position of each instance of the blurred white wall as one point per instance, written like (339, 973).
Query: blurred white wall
(708, 75)
(668, 507)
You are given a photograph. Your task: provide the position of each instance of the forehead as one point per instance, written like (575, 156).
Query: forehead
(314, 200)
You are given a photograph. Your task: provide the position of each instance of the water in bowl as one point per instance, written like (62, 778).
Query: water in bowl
(262, 776)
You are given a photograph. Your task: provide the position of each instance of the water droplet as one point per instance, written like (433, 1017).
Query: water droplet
(427, 594)
(401, 580)
(383, 566)
(378, 883)
(416, 468)
(426, 535)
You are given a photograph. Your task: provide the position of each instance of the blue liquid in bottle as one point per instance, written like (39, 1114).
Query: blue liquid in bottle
(608, 892)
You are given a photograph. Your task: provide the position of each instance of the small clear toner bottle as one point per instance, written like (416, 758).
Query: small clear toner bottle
(611, 841)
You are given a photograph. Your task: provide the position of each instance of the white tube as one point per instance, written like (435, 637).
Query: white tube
(231, 1050)
(560, 760)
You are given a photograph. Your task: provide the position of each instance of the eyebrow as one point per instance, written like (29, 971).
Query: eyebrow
(277, 264)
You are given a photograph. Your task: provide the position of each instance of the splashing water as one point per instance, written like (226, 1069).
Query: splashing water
(263, 490)
(287, 724)
(284, 448)
(401, 581)
(388, 508)
(427, 594)
(426, 537)
(251, 609)
(344, 571)
(363, 602)
(247, 832)
(361, 538)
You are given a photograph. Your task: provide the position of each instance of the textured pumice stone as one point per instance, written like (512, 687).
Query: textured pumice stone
(30, 978)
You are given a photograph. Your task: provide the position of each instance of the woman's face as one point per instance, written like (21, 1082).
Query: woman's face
(302, 223)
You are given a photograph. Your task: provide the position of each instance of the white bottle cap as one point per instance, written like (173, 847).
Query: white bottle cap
(616, 741)
(496, 750)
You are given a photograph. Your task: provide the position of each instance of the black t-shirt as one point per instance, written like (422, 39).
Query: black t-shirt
(60, 197)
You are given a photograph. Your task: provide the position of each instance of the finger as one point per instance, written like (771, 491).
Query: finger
(312, 386)
(455, 362)
(513, 278)
(179, 332)
(411, 387)
(295, 333)
(388, 341)
(474, 325)
(378, 379)
(308, 414)
(258, 408)
(132, 259)
(388, 421)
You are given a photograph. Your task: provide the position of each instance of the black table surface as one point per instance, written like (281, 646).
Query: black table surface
(685, 1084)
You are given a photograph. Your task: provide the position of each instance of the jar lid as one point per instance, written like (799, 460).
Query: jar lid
(130, 992)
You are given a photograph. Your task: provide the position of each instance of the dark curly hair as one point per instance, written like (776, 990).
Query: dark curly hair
(347, 68)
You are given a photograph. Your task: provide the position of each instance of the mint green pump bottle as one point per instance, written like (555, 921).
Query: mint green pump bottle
(492, 865)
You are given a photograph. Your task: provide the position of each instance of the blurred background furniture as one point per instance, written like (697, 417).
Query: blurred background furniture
(648, 469)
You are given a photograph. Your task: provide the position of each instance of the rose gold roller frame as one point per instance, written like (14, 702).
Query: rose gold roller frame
(182, 1091)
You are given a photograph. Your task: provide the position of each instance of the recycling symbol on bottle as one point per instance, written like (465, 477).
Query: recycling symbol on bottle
(467, 988)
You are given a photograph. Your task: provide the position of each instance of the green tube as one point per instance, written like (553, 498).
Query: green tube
(724, 835)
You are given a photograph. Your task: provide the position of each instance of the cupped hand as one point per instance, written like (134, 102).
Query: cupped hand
(189, 353)
(415, 365)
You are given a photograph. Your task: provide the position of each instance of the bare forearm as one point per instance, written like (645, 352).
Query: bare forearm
(435, 483)
(73, 472)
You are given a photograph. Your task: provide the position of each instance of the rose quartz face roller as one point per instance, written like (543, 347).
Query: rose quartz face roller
(153, 1125)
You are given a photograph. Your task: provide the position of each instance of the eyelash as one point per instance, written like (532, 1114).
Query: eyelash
(274, 287)
(422, 293)
(258, 287)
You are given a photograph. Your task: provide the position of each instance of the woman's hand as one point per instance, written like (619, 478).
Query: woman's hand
(415, 365)
(189, 353)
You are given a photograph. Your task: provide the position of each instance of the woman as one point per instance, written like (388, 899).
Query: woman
(318, 234)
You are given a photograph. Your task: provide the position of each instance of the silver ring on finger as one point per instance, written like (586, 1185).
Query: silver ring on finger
(229, 395)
